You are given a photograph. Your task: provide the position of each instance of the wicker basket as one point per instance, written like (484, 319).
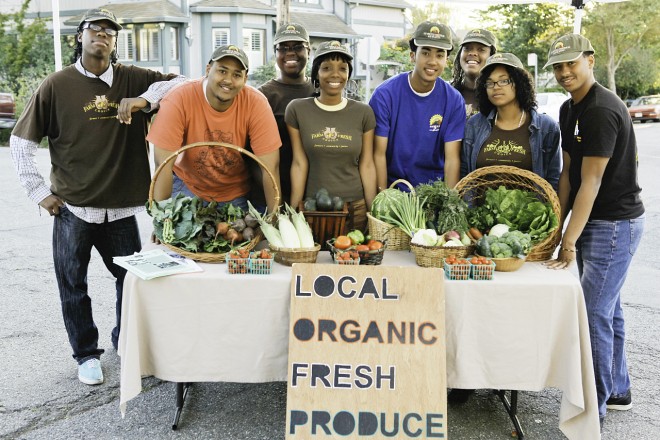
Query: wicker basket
(208, 257)
(288, 256)
(511, 264)
(326, 224)
(433, 256)
(473, 188)
(397, 240)
(367, 258)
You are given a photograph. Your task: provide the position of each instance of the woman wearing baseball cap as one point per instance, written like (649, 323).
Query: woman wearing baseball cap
(508, 130)
(477, 46)
(332, 138)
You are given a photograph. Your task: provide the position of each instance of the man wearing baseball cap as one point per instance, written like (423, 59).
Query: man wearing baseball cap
(599, 187)
(420, 118)
(291, 56)
(477, 46)
(100, 175)
(220, 107)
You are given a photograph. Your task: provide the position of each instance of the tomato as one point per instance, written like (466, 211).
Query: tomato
(375, 245)
(362, 248)
(343, 242)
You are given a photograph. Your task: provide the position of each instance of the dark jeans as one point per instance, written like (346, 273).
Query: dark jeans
(73, 240)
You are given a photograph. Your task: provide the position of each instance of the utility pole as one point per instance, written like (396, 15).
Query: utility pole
(283, 12)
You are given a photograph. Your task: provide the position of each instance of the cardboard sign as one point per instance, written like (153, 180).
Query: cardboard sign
(366, 353)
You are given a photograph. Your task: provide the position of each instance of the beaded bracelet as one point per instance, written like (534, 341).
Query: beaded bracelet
(567, 250)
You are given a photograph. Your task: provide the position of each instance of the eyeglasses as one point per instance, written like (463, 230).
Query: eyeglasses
(501, 83)
(298, 48)
(96, 28)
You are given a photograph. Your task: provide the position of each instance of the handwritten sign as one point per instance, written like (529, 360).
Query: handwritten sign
(366, 353)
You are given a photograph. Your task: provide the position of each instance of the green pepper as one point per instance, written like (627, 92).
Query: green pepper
(357, 237)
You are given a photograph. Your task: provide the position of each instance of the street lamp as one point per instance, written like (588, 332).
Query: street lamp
(533, 60)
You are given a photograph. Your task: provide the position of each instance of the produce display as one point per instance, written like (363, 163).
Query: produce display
(504, 245)
(186, 223)
(369, 251)
(292, 231)
(241, 261)
(323, 201)
(347, 257)
(519, 210)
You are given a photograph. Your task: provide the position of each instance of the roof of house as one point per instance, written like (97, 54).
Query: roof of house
(384, 3)
(244, 6)
(323, 25)
(140, 12)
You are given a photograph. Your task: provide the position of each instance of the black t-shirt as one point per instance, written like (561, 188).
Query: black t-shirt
(279, 95)
(600, 125)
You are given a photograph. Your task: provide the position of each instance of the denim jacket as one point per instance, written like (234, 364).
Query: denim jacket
(544, 140)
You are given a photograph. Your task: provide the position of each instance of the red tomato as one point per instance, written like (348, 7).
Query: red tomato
(343, 242)
(375, 245)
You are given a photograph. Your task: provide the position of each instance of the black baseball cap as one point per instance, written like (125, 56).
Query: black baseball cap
(98, 14)
(230, 51)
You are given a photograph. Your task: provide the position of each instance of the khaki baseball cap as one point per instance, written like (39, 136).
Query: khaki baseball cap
(505, 58)
(431, 34)
(98, 14)
(291, 32)
(230, 51)
(483, 36)
(332, 46)
(568, 48)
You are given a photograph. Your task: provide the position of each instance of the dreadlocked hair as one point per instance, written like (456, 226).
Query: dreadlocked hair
(77, 51)
(523, 81)
(458, 75)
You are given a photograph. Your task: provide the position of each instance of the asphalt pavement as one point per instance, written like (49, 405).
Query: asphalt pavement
(41, 397)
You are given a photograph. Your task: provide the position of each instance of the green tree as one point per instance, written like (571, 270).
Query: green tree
(26, 51)
(528, 28)
(617, 29)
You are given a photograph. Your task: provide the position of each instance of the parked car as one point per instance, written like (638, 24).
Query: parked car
(550, 103)
(645, 108)
(7, 110)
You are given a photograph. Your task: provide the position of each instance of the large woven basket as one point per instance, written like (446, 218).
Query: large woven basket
(432, 256)
(209, 257)
(472, 188)
(288, 256)
(397, 240)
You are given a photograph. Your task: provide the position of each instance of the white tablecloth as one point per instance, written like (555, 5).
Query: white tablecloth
(524, 330)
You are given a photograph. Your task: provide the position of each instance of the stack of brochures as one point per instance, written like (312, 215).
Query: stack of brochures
(156, 263)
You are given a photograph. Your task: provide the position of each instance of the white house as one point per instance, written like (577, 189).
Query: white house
(179, 35)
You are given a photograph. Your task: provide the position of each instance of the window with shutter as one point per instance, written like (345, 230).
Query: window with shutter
(125, 45)
(220, 37)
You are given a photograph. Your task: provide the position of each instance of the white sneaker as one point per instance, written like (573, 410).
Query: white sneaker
(90, 373)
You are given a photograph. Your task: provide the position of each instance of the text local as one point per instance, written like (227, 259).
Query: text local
(346, 287)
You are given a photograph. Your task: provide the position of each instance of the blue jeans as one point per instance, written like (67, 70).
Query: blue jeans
(179, 186)
(73, 240)
(604, 252)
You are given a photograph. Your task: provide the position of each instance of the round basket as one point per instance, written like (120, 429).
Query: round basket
(473, 188)
(369, 258)
(288, 256)
(508, 264)
(379, 230)
(209, 257)
(433, 256)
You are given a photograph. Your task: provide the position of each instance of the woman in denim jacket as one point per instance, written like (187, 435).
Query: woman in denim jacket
(508, 130)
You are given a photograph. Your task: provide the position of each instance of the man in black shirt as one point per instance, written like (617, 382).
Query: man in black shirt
(598, 185)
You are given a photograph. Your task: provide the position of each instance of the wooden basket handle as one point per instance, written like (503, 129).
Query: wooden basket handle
(183, 149)
(405, 182)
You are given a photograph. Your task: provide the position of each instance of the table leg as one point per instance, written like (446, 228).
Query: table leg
(181, 394)
(512, 410)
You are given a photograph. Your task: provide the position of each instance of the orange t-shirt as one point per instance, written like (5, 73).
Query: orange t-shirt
(186, 117)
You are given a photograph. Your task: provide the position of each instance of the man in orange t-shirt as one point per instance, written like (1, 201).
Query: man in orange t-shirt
(219, 107)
